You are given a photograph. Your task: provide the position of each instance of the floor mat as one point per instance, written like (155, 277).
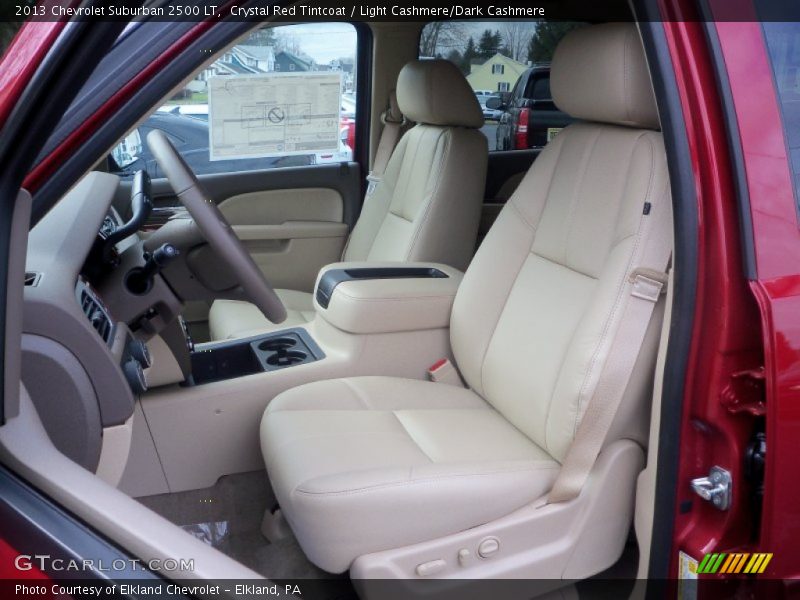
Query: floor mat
(228, 516)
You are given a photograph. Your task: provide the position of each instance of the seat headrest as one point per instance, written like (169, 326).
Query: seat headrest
(435, 92)
(599, 73)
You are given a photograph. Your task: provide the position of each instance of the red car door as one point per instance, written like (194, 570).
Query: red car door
(742, 395)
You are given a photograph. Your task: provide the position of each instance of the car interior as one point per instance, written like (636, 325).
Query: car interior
(447, 369)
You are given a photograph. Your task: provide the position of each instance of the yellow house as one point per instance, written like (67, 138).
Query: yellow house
(497, 74)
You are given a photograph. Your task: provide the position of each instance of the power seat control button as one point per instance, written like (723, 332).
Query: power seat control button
(488, 547)
(432, 567)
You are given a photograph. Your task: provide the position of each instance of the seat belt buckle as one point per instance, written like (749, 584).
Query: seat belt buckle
(443, 371)
(648, 284)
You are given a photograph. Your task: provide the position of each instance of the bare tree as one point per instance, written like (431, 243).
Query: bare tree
(516, 38)
(440, 37)
(287, 42)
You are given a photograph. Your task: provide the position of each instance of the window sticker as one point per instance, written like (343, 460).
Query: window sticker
(278, 114)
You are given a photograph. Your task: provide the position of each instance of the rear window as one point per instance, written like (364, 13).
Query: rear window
(783, 42)
(539, 89)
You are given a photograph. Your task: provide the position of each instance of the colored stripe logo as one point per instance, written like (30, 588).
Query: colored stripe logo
(742, 562)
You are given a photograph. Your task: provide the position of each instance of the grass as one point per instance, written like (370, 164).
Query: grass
(195, 98)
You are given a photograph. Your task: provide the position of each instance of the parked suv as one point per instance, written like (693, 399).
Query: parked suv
(529, 117)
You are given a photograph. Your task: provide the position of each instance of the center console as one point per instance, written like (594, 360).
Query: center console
(237, 358)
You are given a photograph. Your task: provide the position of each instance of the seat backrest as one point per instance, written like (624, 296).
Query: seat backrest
(427, 205)
(536, 312)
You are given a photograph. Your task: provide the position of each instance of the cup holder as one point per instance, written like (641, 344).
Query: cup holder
(286, 358)
(284, 350)
(277, 344)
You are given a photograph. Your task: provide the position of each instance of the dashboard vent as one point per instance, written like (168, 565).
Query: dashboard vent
(32, 278)
(97, 317)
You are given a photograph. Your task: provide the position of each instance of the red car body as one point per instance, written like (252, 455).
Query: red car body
(725, 344)
(745, 350)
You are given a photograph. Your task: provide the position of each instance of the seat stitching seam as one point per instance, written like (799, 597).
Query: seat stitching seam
(617, 300)
(499, 317)
(406, 167)
(411, 437)
(522, 217)
(356, 393)
(321, 436)
(567, 267)
(426, 480)
(429, 203)
(512, 201)
(534, 231)
(620, 286)
(587, 157)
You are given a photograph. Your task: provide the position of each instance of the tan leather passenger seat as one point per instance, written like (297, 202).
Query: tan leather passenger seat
(372, 464)
(427, 204)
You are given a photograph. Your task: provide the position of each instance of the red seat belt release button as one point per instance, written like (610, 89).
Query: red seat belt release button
(443, 371)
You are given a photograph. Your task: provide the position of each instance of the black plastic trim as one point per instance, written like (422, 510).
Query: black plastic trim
(328, 282)
(685, 257)
(363, 114)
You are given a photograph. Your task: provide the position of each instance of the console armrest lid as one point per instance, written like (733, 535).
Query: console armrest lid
(386, 297)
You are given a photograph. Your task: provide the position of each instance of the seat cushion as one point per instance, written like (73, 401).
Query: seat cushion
(365, 464)
(230, 319)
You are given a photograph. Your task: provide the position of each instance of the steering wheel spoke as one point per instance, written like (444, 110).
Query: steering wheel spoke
(215, 228)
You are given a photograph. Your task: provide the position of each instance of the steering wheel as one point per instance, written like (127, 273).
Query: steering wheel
(215, 228)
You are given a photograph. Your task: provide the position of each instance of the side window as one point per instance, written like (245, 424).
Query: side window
(283, 97)
(783, 41)
(496, 56)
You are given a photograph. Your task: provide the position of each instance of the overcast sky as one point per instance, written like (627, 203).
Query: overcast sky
(326, 41)
(322, 41)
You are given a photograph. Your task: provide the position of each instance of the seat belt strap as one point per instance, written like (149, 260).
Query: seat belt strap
(393, 123)
(645, 286)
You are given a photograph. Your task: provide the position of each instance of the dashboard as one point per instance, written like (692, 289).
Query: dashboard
(82, 364)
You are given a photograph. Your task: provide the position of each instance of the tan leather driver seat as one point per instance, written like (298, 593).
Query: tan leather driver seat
(426, 206)
(409, 478)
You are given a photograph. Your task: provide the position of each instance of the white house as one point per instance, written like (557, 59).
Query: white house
(239, 60)
(261, 58)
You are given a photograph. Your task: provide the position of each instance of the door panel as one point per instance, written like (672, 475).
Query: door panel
(343, 178)
(290, 233)
(293, 221)
(291, 254)
(273, 207)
